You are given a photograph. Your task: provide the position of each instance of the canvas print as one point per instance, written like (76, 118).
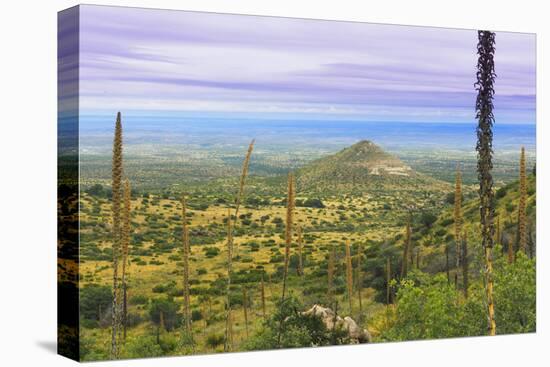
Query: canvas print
(233, 183)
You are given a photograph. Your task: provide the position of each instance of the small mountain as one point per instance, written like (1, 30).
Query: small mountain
(363, 163)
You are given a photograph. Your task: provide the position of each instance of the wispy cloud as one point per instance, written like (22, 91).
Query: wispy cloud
(186, 61)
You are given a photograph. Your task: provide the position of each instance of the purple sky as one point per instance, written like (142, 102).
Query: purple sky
(158, 61)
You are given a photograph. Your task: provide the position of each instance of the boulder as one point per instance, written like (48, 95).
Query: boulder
(331, 320)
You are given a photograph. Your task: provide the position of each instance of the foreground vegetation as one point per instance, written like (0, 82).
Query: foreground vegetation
(425, 304)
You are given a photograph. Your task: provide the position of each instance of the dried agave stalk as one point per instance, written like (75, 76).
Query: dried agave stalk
(116, 204)
(186, 250)
(228, 345)
(522, 218)
(484, 107)
(349, 275)
(126, 223)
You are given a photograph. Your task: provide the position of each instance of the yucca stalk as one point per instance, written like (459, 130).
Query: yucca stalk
(161, 327)
(447, 267)
(406, 248)
(288, 241)
(498, 237)
(288, 229)
(484, 107)
(245, 310)
(530, 239)
(126, 223)
(330, 273)
(300, 268)
(270, 281)
(388, 281)
(116, 204)
(457, 220)
(465, 263)
(359, 280)
(228, 345)
(205, 317)
(349, 275)
(242, 182)
(511, 254)
(185, 250)
(522, 219)
(262, 295)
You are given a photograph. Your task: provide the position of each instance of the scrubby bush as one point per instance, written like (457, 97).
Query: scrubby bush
(296, 330)
(94, 299)
(169, 310)
(427, 306)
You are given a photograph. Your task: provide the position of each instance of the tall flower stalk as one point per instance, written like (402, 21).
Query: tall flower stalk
(262, 295)
(484, 114)
(288, 229)
(242, 182)
(186, 250)
(116, 231)
(522, 218)
(349, 275)
(330, 273)
(228, 345)
(291, 195)
(359, 280)
(126, 224)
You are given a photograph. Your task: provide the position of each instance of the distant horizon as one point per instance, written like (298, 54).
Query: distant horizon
(150, 116)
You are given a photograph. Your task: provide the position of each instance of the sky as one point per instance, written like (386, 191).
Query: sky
(159, 62)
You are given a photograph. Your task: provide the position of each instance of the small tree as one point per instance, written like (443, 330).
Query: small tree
(185, 250)
(349, 275)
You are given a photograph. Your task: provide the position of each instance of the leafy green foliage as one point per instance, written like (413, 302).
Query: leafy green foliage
(426, 308)
(429, 307)
(296, 330)
(94, 299)
(169, 310)
(515, 295)
(142, 347)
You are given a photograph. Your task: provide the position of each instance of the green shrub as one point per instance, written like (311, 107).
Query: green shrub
(142, 347)
(94, 299)
(169, 310)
